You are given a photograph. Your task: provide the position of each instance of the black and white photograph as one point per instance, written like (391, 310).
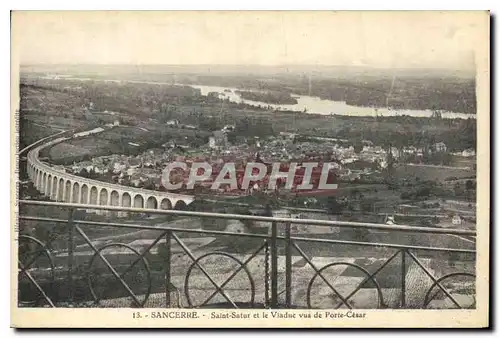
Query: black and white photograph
(188, 167)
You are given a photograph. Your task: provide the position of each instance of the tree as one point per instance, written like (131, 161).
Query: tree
(231, 137)
(208, 123)
(367, 206)
(424, 191)
(334, 206)
(358, 234)
(406, 195)
(84, 173)
(358, 147)
(469, 185)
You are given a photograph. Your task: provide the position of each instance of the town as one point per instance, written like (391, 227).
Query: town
(362, 162)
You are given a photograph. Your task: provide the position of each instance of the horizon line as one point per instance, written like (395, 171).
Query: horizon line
(372, 67)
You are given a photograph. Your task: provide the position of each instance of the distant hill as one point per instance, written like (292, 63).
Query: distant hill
(323, 70)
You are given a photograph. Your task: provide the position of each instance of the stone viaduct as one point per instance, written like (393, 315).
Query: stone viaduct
(64, 187)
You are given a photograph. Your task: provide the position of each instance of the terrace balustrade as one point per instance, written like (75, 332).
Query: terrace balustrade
(268, 275)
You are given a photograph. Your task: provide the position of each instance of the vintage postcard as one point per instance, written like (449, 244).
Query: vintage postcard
(250, 169)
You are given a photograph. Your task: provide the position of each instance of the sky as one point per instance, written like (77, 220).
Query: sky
(441, 40)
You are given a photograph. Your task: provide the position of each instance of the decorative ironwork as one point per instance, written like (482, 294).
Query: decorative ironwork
(345, 300)
(428, 298)
(120, 277)
(219, 289)
(41, 280)
(26, 244)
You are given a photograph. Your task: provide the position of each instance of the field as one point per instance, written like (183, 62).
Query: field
(432, 173)
(107, 142)
(118, 141)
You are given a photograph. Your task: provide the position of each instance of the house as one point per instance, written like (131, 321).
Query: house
(457, 220)
(135, 162)
(218, 140)
(440, 147)
(136, 181)
(172, 123)
(118, 167)
(348, 160)
(88, 132)
(132, 171)
(288, 135)
(395, 152)
(468, 153)
(149, 164)
(229, 128)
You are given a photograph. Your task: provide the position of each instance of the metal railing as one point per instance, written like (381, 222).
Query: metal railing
(64, 274)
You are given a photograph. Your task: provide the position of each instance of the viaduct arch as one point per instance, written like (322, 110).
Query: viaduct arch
(64, 187)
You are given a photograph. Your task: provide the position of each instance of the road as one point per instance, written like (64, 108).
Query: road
(436, 166)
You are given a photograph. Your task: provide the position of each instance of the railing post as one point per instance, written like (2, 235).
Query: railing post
(70, 254)
(403, 278)
(274, 265)
(288, 268)
(266, 274)
(168, 261)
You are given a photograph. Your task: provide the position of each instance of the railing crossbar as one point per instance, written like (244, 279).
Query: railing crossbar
(373, 226)
(142, 227)
(227, 233)
(385, 245)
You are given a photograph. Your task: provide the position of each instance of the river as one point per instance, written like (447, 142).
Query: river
(315, 105)
(309, 104)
